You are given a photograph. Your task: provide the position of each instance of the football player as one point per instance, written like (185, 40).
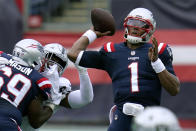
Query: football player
(56, 54)
(23, 88)
(156, 118)
(138, 69)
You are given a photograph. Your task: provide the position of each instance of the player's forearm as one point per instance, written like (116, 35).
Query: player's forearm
(80, 45)
(169, 82)
(84, 96)
(86, 88)
(38, 114)
(45, 114)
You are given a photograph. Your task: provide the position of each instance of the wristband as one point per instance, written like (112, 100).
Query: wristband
(158, 66)
(90, 35)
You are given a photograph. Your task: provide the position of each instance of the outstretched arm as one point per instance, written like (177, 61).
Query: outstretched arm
(81, 44)
(82, 97)
(169, 81)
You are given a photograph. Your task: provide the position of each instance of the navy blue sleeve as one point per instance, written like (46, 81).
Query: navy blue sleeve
(42, 84)
(93, 59)
(3, 54)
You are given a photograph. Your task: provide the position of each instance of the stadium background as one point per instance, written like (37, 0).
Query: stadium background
(45, 21)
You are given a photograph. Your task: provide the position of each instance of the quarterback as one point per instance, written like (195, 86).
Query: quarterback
(139, 69)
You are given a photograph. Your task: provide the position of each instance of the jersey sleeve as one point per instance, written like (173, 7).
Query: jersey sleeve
(166, 56)
(97, 59)
(3, 54)
(45, 86)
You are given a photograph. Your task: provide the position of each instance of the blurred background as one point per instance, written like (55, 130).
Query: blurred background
(63, 21)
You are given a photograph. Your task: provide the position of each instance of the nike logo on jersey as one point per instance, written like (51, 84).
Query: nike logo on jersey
(25, 70)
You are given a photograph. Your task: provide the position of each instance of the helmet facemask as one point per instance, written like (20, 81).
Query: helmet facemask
(137, 30)
(52, 58)
(55, 53)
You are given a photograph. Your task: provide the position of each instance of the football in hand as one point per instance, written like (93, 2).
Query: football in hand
(102, 20)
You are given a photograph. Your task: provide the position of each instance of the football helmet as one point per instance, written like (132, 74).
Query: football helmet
(156, 118)
(28, 52)
(56, 54)
(142, 21)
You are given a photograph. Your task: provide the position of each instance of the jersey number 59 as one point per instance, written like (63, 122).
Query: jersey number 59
(12, 91)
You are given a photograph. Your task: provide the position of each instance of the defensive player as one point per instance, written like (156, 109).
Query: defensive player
(56, 54)
(156, 118)
(137, 68)
(23, 88)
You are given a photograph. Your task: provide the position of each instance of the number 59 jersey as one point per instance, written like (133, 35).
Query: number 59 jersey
(21, 84)
(133, 78)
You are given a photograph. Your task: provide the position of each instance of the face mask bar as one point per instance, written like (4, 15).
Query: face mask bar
(51, 58)
(139, 24)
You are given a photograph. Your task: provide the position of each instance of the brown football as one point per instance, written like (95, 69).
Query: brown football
(102, 20)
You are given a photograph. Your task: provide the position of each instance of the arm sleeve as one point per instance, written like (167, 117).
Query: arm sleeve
(84, 96)
(91, 59)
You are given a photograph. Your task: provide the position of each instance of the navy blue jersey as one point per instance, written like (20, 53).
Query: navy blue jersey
(133, 78)
(21, 84)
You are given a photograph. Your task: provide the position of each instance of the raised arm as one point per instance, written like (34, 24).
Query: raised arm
(83, 96)
(81, 44)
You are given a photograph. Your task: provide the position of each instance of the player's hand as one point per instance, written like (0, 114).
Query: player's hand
(99, 34)
(153, 51)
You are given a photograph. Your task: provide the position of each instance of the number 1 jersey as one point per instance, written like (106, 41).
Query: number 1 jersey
(133, 78)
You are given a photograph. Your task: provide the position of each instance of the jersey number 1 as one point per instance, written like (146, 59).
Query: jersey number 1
(134, 76)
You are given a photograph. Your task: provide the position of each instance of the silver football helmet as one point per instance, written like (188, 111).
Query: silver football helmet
(56, 54)
(156, 118)
(28, 52)
(141, 19)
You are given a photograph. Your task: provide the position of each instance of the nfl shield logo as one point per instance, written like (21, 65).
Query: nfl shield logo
(132, 52)
(115, 117)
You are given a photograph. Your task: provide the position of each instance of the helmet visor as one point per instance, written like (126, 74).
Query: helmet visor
(137, 23)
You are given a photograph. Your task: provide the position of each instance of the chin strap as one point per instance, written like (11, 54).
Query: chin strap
(133, 39)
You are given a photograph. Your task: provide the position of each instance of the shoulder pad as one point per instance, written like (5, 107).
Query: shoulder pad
(3, 61)
(109, 47)
(161, 47)
(64, 82)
